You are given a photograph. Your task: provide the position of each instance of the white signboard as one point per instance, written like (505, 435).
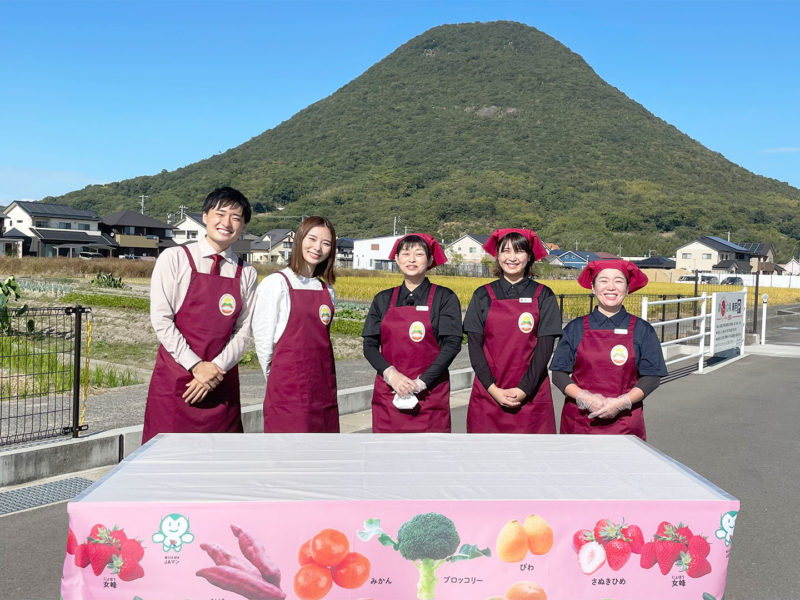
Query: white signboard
(727, 321)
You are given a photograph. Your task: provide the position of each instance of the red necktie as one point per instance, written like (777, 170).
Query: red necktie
(217, 258)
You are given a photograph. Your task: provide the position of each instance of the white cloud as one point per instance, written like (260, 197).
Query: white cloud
(785, 150)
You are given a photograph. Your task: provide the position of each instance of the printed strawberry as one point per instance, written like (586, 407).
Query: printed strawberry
(648, 556)
(581, 537)
(98, 531)
(117, 535)
(695, 565)
(683, 533)
(130, 570)
(665, 530)
(699, 546)
(618, 551)
(635, 535)
(605, 531)
(131, 550)
(667, 553)
(82, 555)
(100, 555)
(72, 542)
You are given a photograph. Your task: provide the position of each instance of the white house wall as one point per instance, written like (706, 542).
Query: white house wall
(367, 252)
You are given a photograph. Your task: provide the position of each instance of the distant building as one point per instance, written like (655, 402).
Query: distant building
(792, 267)
(373, 253)
(344, 252)
(189, 229)
(710, 253)
(572, 259)
(655, 262)
(274, 247)
(55, 230)
(468, 249)
(137, 234)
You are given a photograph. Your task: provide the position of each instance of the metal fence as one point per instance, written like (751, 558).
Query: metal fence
(40, 375)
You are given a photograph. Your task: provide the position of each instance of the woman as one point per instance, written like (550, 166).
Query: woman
(511, 326)
(615, 359)
(291, 329)
(411, 335)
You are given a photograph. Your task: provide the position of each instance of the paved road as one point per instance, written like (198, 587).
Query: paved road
(735, 425)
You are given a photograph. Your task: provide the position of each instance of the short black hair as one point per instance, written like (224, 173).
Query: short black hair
(414, 240)
(520, 244)
(227, 196)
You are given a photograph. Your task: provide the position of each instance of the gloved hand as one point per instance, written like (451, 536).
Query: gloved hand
(586, 400)
(612, 407)
(399, 382)
(421, 386)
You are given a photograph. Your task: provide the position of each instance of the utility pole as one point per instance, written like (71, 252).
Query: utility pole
(143, 198)
(182, 208)
(394, 226)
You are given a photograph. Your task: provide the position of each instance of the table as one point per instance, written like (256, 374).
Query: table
(185, 497)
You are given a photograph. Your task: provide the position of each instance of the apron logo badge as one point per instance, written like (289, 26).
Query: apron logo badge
(227, 304)
(416, 331)
(325, 314)
(525, 322)
(619, 355)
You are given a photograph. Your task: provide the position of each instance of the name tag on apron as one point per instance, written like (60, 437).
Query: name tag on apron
(525, 300)
(422, 308)
(621, 331)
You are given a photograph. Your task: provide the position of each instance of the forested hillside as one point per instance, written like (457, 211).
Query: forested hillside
(467, 127)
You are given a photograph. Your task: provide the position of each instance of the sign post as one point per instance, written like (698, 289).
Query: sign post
(728, 321)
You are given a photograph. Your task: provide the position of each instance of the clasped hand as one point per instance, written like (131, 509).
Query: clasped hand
(207, 376)
(402, 385)
(508, 397)
(600, 407)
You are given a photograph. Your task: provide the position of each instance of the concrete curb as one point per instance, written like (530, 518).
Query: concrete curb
(108, 448)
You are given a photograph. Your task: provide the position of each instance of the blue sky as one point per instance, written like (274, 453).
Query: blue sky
(99, 91)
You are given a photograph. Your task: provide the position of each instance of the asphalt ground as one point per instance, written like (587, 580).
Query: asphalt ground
(735, 424)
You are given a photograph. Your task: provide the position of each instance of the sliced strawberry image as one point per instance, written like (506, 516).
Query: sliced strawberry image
(648, 556)
(72, 542)
(581, 537)
(82, 555)
(591, 557)
(635, 535)
(667, 554)
(100, 555)
(618, 551)
(695, 565)
(699, 546)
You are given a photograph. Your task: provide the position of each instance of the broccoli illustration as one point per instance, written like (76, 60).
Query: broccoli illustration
(428, 540)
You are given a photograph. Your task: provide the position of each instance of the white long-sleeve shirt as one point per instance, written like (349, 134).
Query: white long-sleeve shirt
(168, 286)
(271, 312)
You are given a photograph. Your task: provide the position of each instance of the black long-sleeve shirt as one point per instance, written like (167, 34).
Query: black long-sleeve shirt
(445, 321)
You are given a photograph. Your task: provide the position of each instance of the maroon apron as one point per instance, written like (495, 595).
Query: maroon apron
(605, 363)
(509, 341)
(408, 344)
(301, 388)
(206, 320)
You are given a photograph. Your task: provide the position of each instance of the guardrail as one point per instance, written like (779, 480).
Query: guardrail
(697, 318)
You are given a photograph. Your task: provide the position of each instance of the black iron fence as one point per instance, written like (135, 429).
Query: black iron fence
(40, 375)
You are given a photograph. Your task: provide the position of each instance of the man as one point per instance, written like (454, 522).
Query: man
(201, 304)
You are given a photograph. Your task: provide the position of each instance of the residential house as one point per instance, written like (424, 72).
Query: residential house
(710, 253)
(275, 246)
(373, 253)
(468, 249)
(55, 230)
(573, 259)
(189, 229)
(344, 252)
(763, 256)
(655, 262)
(137, 235)
(792, 267)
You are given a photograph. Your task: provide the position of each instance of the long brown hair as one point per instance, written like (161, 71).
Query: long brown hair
(297, 263)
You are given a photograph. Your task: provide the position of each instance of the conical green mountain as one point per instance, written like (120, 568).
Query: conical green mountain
(472, 126)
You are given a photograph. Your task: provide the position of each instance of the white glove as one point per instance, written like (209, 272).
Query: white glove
(421, 387)
(586, 400)
(612, 407)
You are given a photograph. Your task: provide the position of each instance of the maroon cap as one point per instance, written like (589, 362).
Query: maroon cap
(636, 279)
(493, 243)
(437, 254)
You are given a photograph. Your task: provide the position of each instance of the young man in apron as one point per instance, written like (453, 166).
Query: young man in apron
(201, 303)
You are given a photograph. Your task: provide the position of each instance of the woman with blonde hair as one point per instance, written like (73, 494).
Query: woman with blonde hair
(291, 328)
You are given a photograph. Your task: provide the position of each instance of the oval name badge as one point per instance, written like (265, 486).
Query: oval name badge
(619, 355)
(525, 322)
(416, 331)
(325, 314)
(227, 304)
